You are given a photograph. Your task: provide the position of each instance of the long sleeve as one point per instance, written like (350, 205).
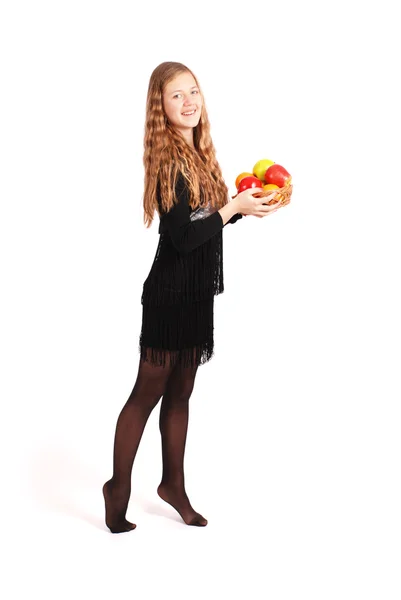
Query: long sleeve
(186, 235)
(234, 219)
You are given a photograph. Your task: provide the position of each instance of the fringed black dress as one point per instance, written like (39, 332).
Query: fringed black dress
(186, 274)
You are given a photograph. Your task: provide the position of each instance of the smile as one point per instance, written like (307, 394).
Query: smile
(189, 114)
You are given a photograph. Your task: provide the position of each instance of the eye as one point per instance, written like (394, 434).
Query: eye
(196, 92)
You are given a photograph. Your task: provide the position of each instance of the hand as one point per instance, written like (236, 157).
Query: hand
(249, 205)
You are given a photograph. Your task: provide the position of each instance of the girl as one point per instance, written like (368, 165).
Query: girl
(184, 184)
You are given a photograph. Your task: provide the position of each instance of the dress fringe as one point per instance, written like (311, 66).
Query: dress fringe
(180, 334)
(188, 357)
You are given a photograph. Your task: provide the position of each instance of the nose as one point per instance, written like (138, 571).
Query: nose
(188, 100)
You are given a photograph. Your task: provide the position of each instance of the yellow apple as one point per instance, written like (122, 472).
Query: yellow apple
(261, 167)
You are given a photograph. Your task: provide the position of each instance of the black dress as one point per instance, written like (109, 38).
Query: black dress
(178, 293)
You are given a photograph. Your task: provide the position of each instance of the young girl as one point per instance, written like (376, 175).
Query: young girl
(184, 184)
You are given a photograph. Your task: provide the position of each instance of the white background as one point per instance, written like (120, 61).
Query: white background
(293, 449)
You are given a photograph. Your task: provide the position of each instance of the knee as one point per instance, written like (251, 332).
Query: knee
(147, 404)
(180, 395)
(185, 393)
(144, 399)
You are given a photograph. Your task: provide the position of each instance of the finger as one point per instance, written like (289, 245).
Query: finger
(266, 208)
(266, 213)
(272, 204)
(275, 204)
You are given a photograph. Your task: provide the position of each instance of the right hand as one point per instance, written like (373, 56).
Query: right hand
(249, 205)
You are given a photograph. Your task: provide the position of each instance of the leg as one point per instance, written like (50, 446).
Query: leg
(173, 428)
(148, 389)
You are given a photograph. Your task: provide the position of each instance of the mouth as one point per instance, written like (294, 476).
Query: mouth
(190, 113)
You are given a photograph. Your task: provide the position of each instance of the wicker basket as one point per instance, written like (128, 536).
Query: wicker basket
(285, 192)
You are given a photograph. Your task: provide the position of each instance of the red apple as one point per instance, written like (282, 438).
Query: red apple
(249, 182)
(278, 175)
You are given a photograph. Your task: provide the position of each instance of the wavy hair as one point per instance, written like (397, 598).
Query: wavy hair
(166, 153)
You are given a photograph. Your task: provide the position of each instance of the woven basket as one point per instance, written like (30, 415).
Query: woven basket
(285, 192)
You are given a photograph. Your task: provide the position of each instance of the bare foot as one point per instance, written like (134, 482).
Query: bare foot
(115, 510)
(179, 500)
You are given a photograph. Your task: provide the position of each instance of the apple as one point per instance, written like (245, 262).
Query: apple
(278, 175)
(241, 176)
(249, 182)
(261, 167)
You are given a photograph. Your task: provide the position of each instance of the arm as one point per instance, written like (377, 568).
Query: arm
(187, 235)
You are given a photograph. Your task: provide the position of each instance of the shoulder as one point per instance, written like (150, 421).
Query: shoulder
(179, 184)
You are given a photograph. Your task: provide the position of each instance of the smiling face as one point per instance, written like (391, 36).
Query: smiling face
(182, 95)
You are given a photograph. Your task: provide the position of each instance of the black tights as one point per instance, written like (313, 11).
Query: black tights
(175, 384)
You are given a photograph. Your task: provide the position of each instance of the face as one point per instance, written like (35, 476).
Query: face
(182, 95)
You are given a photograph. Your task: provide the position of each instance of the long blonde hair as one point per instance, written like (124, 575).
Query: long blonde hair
(166, 152)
